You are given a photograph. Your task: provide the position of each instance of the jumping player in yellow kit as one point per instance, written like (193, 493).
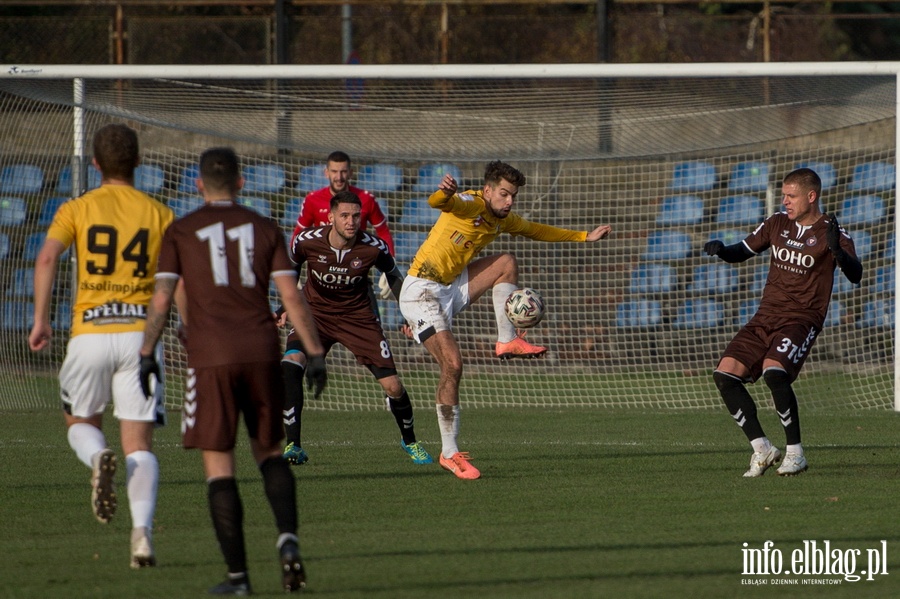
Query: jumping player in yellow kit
(446, 277)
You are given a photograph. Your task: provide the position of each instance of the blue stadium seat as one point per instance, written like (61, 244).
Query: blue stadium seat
(667, 245)
(64, 184)
(716, 278)
(311, 178)
(264, 178)
(258, 204)
(872, 176)
(884, 279)
(699, 313)
(741, 210)
(418, 212)
(693, 176)
(861, 210)
(758, 277)
(749, 177)
(21, 178)
(877, 313)
(746, 310)
(13, 211)
(380, 178)
(22, 283)
(406, 244)
(149, 178)
(430, 176)
(890, 249)
(4, 246)
(639, 314)
(18, 315)
(33, 244)
(62, 316)
(825, 170)
(680, 210)
(49, 208)
(835, 313)
(842, 285)
(184, 204)
(389, 312)
(187, 178)
(291, 213)
(862, 241)
(652, 279)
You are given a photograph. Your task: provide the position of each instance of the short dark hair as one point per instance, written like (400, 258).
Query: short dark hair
(338, 156)
(497, 171)
(807, 179)
(220, 169)
(116, 151)
(344, 197)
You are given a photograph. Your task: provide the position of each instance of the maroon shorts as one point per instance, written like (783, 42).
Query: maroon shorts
(781, 339)
(362, 335)
(216, 396)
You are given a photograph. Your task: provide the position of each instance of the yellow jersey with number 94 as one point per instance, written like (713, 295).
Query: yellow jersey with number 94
(116, 231)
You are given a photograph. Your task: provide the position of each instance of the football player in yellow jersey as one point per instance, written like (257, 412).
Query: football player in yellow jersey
(116, 231)
(444, 280)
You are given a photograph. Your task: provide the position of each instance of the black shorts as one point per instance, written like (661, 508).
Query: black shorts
(216, 396)
(786, 341)
(362, 335)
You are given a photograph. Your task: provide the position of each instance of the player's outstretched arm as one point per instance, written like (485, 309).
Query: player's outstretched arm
(850, 266)
(599, 233)
(737, 252)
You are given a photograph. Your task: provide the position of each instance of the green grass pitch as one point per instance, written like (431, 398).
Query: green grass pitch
(572, 503)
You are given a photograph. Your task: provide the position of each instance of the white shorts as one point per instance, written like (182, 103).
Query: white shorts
(106, 366)
(429, 307)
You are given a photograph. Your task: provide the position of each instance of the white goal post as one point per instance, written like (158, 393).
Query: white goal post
(671, 155)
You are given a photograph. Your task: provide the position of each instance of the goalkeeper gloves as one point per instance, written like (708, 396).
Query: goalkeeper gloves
(833, 235)
(149, 366)
(712, 248)
(316, 375)
(384, 289)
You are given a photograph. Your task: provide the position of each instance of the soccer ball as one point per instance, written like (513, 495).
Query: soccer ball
(524, 308)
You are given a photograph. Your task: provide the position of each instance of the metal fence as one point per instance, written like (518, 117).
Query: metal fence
(146, 32)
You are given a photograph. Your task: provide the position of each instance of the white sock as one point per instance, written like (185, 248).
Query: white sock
(448, 423)
(761, 444)
(506, 331)
(142, 479)
(86, 440)
(795, 449)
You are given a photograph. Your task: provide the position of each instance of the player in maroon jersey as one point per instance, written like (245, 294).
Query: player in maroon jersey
(314, 212)
(225, 255)
(338, 258)
(805, 246)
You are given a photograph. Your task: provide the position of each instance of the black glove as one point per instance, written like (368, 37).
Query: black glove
(316, 376)
(148, 366)
(833, 235)
(712, 248)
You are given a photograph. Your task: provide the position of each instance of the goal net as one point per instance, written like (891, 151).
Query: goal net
(670, 155)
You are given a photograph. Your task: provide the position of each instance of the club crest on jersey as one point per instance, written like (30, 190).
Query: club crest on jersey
(478, 221)
(811, 241)
(356, 263)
